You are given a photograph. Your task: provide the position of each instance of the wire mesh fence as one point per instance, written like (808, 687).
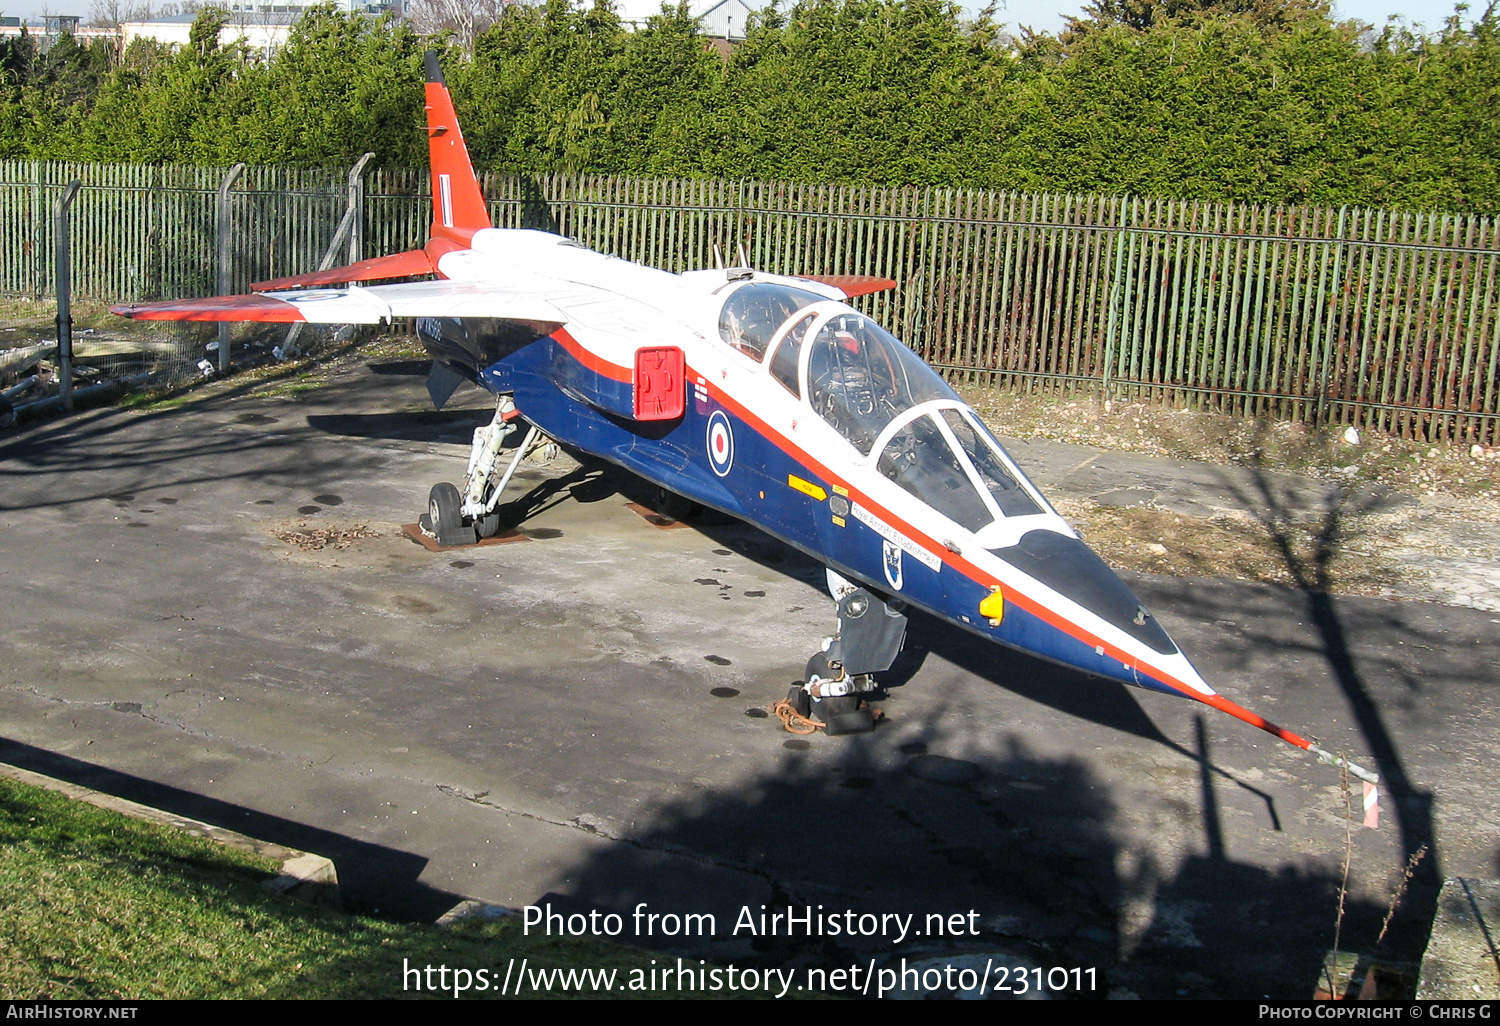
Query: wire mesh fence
(1379, 318)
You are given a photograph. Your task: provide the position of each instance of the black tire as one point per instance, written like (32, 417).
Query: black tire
(675, 507)
(818, 666)
(799, 700)
(487, 526)
(443, 506)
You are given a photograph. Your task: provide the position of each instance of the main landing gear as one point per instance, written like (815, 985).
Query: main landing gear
(461, 518)
(841, 676)
(675, 507)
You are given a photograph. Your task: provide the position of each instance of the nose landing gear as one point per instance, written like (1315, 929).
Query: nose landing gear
(841, 677)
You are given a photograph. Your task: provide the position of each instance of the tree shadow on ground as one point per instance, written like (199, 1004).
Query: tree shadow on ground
(1309, 542)
(111, 454)
(1027, 842)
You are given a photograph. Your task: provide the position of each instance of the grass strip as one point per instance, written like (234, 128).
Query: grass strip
(96, 905)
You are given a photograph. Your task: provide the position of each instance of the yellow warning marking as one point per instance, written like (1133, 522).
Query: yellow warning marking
(841, 490)
(806, 487)
(992, 607)
(838, 521)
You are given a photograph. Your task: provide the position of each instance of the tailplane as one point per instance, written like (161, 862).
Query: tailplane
(458, 208)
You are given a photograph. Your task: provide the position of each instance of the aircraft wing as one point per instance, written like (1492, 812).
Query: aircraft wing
(356, 305)
(852, 285)
(411, 264)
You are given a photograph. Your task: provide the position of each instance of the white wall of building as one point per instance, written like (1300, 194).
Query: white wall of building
(718, 19)
(260, 36)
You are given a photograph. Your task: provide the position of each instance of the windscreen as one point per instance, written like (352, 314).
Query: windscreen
(919, 459)
(983, 452)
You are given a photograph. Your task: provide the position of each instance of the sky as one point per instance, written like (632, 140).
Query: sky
(1042, 15)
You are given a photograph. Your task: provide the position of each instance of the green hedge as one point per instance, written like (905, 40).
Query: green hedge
(1275, 104)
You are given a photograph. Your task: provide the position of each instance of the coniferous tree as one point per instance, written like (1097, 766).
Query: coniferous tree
(1259, 100)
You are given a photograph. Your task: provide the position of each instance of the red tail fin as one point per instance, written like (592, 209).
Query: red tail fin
(458, 209)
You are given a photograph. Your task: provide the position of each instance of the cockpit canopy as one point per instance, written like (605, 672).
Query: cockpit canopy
(861, 380)
(753, 313)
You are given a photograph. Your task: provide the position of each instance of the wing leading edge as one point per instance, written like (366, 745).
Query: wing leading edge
(355, 305)
(852, 285)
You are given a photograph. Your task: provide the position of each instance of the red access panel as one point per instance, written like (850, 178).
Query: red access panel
(658, 383)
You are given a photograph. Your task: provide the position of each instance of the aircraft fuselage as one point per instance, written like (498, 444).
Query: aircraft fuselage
(826, 480)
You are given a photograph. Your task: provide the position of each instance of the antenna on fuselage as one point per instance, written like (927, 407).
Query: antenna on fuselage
(740, 272)
(744, 259)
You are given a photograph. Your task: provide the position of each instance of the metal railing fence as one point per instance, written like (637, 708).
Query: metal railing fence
(1379, 318)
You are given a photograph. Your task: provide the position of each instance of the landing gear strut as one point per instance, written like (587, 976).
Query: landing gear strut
(461, 518)
(841, 676)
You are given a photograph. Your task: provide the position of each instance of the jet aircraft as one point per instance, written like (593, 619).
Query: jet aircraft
(764, 396)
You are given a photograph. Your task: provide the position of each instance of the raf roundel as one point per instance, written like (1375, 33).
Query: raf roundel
(720, 443)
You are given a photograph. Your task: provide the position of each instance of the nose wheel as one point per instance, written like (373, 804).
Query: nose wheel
(829, 698)
(833, 697)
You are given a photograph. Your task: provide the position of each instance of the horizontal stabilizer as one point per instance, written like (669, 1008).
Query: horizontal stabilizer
(852, 285)
(399, 265)
(356, 305)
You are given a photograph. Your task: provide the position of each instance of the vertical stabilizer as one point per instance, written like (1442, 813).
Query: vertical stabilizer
(458, 209)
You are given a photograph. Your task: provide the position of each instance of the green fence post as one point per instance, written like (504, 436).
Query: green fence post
(1116, 294)
(1328, 309)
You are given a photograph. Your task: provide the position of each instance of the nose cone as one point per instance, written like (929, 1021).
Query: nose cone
(1071, 568)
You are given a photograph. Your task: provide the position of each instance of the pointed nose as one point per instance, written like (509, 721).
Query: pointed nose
(1074, 571)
